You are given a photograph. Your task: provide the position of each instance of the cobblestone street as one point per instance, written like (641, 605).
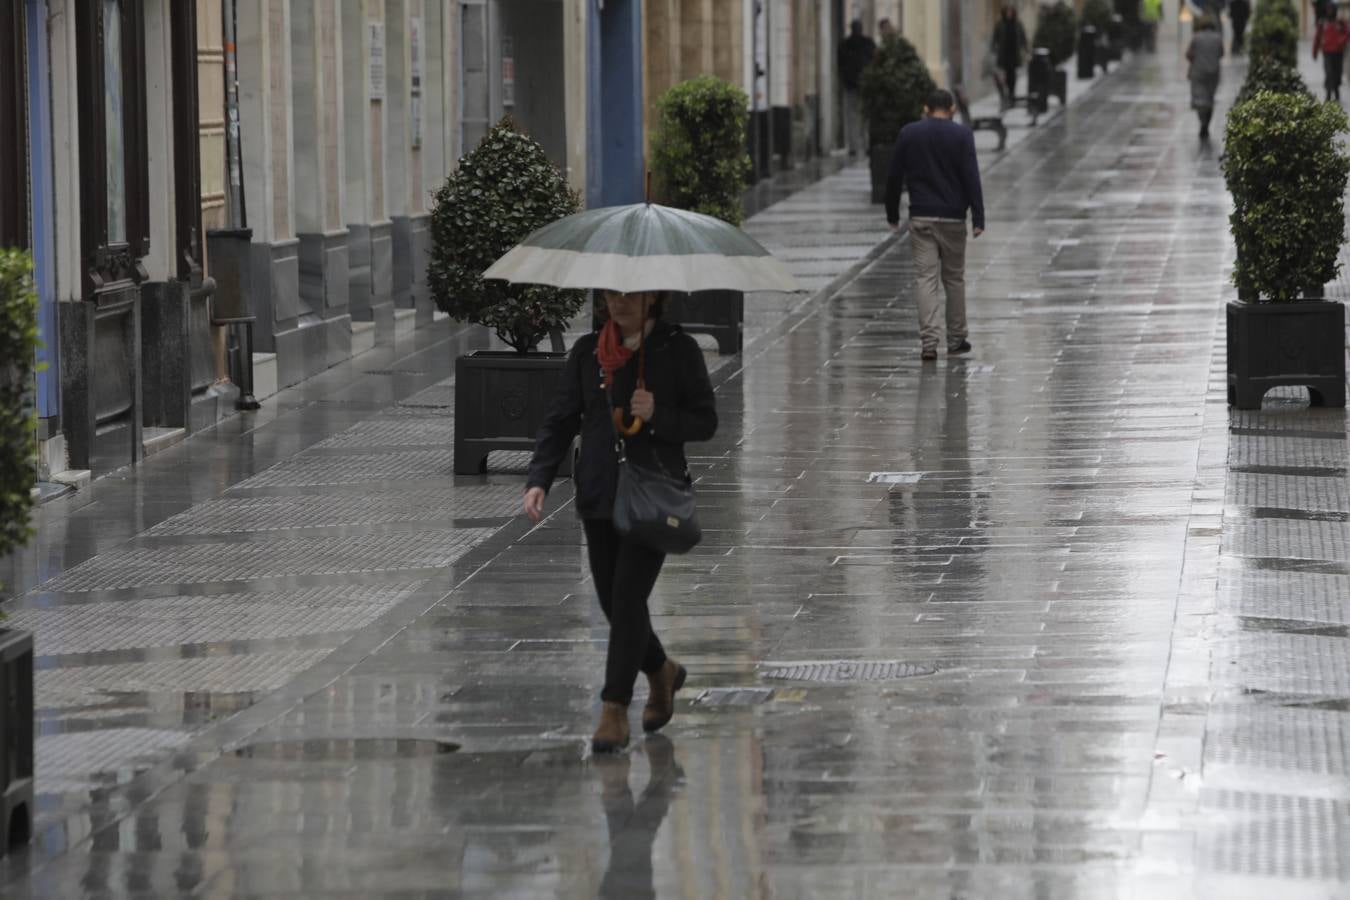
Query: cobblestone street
(1048, 620)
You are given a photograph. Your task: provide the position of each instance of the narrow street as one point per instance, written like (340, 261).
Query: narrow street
(1047, 620)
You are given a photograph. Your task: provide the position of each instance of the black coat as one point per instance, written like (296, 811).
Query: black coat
(685, 411)
(855, 52)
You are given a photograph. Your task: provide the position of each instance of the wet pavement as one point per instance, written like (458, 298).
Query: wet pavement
(1044, 621)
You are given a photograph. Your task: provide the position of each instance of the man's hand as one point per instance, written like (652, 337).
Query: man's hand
(978, 231)
(643, 404)
(534, 503)
(894, 227)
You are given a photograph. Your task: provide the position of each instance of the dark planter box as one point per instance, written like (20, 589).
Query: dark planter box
(16, 738)
(880, 158)
(718, 313)
(501, 399)
(1277, 344)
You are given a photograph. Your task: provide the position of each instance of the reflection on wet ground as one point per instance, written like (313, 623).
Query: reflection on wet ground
(1044, 621)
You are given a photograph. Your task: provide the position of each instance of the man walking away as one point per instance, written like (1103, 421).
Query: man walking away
(935, 159)
(1239, 11)
(1204, 55)
(1331, 38)
(855, 53)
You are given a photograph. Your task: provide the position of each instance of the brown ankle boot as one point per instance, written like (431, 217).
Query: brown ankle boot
(611, 735)
(661, 701)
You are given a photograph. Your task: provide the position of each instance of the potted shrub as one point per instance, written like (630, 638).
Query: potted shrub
(1268, 74)
(1057, 31)
(1275, 35)
(503, 189)
(18, 346)
(1287, 173)
(893, 88)
(700, 162)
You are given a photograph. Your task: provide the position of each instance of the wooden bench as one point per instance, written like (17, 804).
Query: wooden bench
(982, 123)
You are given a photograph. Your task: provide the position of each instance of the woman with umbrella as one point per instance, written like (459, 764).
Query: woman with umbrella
(639, 384)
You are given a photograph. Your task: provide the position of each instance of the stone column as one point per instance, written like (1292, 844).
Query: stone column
(319, 183)
(370, 240)
(575, 24)
(264, 55)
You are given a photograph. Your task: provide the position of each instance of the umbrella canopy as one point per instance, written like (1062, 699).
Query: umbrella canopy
(643, 247)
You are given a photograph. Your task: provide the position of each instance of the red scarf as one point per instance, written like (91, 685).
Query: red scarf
(611, 352)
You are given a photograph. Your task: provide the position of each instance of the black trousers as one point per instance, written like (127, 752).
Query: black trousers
(624, 575)
(1010, 79)
(1335, 65)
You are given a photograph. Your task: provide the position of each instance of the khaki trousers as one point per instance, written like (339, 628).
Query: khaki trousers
(940, 256)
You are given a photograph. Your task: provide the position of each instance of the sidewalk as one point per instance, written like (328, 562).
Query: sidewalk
(980, 628)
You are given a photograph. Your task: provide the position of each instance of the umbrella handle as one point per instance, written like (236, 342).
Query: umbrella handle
(626, 430)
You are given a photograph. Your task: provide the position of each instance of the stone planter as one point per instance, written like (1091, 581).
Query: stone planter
(718, 313)
(1278, 344)
(501, 399)
(16, 738)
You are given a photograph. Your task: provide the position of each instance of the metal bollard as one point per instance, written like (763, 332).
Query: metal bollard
(1040, 74)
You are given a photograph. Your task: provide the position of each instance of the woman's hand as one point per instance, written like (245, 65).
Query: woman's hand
(534, 503)
(643, 404)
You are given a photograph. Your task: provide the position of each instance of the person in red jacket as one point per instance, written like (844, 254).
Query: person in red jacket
(1332, 36)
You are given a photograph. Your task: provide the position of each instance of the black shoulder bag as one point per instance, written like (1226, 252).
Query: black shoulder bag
(653, 508)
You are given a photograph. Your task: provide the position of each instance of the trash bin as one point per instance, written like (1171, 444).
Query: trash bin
(229, 250)
(1087, 52)
(1040, 75)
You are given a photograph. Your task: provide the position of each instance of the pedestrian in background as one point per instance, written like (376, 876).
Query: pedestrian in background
(886, 28)
(855, 53)
(1009, 46)
(1239, 11)
(935, 159)
(1330, 40)
(1150, 15)
(674, 399)
(1204, 54)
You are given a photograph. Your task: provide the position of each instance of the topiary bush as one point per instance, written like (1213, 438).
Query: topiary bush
(1057, 31)
(503, 189)
(1287, 173)
(18, 349)
(893, 88)
(1097, 13)
(1280, 8)
(1274, 37)
(1269, 74)
(699, 154)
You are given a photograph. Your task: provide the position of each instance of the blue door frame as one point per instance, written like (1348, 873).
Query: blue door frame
(44, 244)
(614, 154)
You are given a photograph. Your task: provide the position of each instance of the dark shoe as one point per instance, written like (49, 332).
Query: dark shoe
(611, 735)
(661, 701)
(963, 347)
(927, 355)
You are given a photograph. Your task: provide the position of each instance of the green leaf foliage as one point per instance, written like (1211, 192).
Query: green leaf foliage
(1057, 31)
(699, 155)
(18, 349)
(893, 88)
(1274, 37)
(1287, 172)
(1279, 8)
(1097, 13)
(504, 189)
(1269, 74)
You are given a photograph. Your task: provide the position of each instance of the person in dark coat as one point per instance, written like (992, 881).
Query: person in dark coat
(855, 52)
(1204, 54)
(1009, 46)
(676, 405)
(1239, 12)
(1330, 40)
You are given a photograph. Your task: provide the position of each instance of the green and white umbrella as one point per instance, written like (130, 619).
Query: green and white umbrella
(643, 247)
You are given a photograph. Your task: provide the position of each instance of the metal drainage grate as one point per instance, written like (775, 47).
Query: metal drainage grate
(394, 372)
(344, 749)
(845, 671)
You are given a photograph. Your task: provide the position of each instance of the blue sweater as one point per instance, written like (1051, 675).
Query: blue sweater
(935, 158)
